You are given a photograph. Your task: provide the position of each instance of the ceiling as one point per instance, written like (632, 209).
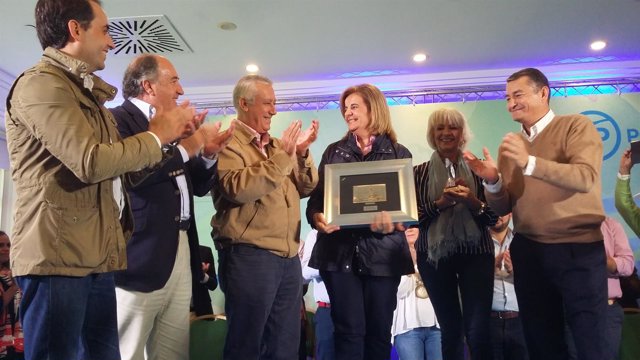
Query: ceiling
(321, 46)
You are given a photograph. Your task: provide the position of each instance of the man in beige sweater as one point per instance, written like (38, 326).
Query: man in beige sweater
(549, 177)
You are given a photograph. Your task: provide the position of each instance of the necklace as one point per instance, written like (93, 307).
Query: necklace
(421, 290)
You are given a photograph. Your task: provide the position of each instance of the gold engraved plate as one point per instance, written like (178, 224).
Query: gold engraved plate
(373, 193)
(352, 191)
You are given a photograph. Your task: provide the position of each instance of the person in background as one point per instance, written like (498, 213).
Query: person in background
(361, 267)
(11, 337)
(72, 218)
(549, 176)
(620, 263)
(415, 330)
(325, 348)
(625, 204)
(201, 299)
(507, 336)
(454, 249)
(630, 213)
(257, 225)
(630, 286)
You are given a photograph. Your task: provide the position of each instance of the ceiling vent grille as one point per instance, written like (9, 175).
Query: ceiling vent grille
(144, 35)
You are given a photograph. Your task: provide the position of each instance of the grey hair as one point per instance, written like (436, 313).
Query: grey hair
(144, 67)
(246, 88)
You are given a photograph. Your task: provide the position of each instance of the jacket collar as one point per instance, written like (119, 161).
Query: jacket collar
(77, 69)
(381, 144)
(244, 133)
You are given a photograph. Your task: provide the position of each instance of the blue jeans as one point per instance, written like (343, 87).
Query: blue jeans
(69, 318)
(419, 344)
(263, 297)
(325, 347)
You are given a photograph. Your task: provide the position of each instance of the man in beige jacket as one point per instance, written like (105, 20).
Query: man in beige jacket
(257, 226)
(71, 214)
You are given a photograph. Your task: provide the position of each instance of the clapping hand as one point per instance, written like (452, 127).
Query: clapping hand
(513, 148)
(290, 137)
(215, 140)
(486, 169)
(307, 137)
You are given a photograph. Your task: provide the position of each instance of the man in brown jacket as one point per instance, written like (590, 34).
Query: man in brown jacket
(71, 214)
(257, 226)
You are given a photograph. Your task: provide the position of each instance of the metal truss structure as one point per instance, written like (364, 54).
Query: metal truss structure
(442, 95)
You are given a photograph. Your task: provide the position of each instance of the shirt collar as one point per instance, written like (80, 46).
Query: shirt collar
(537, 128)
(146, 108)
(506, 240)
(366, 149)
(260, 139)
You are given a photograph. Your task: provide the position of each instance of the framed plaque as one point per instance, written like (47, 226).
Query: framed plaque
(354, 192)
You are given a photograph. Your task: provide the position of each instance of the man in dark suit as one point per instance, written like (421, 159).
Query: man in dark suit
(201, 300)
(154, 293)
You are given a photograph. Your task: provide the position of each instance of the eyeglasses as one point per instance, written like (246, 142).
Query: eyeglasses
(5, 245)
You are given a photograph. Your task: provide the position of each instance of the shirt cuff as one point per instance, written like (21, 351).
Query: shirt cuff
(623, 177)
(531, 165)
(493, 188)
(184, 153)
(209, 162)
(204, 279)
(157, 139)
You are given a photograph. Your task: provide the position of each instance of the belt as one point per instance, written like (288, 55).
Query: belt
(184, 225)
(612, 301)
(504, 314)
(323, 304)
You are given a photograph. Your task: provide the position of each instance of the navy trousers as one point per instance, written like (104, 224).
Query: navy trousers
(461, 291)
(557, 283)
(507, 339)
(362, 312)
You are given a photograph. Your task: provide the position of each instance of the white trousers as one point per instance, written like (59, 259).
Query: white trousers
(155, 325)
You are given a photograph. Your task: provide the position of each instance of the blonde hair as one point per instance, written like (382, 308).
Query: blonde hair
(379, 115)
(447, 116)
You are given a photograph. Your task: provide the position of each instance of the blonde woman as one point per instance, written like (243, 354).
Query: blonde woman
(454, 248)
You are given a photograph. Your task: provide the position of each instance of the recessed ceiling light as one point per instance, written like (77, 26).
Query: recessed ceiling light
(252, 68)
(420, 57)
(227, 26)
(598, 45)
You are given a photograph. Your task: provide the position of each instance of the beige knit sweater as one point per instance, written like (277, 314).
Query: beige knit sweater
(561, 201)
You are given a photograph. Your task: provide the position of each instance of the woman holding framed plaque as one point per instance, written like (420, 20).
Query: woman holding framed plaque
(454, 248)
(361, 266)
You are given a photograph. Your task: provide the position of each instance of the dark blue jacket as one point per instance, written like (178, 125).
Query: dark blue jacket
(155, 202)
(377, 254)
